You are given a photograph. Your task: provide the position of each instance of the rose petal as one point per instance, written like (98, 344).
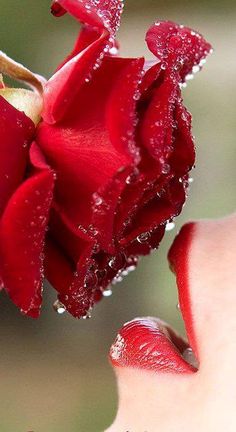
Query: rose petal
(22, 232)
(177, 47)
(16, 133)
(62, 89)
(105, 13)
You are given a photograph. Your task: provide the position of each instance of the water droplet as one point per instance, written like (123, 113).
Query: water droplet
(131, 268)
(90, 280)
(178, 307)
(202, 62)
(96, 248)
(164, 65)
(92, 230)
(113, 50)
(170, 226)
(117, 262)
(195, 69)
(133, 177)
(87, 316)
(165, 169)
(59, 307)
(189, 77)
(137, 95)
(144, 237)
(97, 199)
(107, 293)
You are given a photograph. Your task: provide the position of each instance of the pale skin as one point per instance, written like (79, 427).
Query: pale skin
(205, 400)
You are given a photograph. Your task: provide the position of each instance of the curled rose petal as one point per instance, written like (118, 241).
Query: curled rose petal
(95, 13)
(102, 21)
(177, 47)
(22, 233)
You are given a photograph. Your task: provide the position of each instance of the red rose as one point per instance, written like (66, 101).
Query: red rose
(108, 167)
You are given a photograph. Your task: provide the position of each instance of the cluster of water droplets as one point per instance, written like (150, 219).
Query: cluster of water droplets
(35, 233)
(100, 204)
(109, 12)
(194, 71)
(117, 348)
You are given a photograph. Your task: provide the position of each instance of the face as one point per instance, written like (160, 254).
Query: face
(163, 385)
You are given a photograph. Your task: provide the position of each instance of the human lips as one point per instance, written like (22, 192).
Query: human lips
(158, 372)
(151, 344)
(202, 258)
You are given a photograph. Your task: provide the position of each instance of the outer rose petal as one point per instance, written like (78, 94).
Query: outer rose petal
(22, 231)
(158, 121)
(16, 132)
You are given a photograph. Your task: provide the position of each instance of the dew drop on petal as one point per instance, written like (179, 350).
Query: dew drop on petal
(107, 292)
(195, 69)
(90, 280)
(113, 50)
(144, 237)
(165, 169)
(170, 226)
(117, 262)
(133, 177)
(87, 316)
(59, 307)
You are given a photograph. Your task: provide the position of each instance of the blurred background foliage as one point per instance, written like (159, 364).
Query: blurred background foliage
(54, 372)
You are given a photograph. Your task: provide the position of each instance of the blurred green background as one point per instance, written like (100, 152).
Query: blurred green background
(54, 374)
